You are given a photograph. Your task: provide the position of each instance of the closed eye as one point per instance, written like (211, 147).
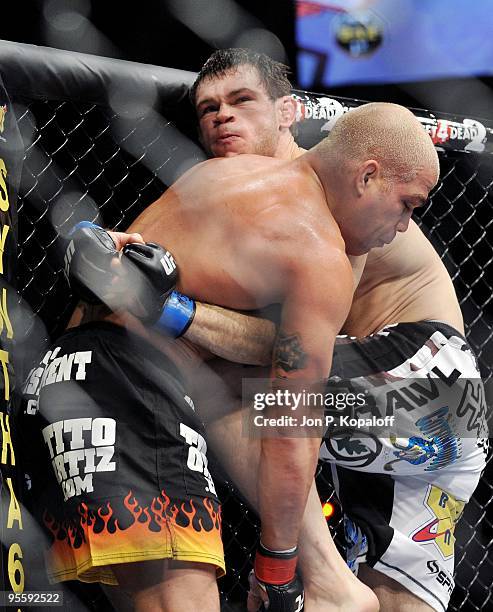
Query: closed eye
(208, 109)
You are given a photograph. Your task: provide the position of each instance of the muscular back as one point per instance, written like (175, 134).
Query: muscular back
(232, 224)
(404, 281)
(252, 231)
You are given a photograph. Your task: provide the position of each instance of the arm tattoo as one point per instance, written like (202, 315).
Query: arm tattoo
(288, 353)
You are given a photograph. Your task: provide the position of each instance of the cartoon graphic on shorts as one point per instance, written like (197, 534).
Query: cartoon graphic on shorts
(441, 446)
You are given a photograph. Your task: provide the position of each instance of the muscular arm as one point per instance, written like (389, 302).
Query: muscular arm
(314, 309)
(234, 336)
(239, 337)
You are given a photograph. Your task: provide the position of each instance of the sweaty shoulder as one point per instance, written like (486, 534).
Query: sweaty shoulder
(293, 201)
(220, 168)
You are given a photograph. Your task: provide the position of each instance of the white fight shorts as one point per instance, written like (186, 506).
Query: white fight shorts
(403, 482)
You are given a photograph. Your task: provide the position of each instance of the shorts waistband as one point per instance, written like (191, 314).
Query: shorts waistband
(437, 325)
(386, 349)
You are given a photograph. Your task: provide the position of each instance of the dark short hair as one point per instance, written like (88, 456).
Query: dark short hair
(273, 75)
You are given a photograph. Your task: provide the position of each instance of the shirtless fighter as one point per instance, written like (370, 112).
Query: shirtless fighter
(404, 282)
(239, 95)
(295, 221)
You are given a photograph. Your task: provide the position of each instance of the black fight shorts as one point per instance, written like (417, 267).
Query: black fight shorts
(121, 472)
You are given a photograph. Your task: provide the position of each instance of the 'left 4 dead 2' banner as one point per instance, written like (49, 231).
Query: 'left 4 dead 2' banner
(12, 562)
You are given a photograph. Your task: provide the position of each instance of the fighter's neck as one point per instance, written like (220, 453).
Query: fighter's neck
(330, 179)
(287, 148)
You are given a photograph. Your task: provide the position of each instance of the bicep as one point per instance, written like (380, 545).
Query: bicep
(315, 307)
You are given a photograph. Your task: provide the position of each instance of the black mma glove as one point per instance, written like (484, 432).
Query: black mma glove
(87, 262)
(276, 575)
(155, 274)
(148, 274)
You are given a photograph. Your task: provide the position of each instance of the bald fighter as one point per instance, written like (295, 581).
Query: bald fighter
(405, 333)
(403, 282)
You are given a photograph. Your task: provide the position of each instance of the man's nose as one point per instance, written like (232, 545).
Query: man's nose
(224, 113)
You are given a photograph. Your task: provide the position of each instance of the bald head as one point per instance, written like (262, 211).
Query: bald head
(388, 133)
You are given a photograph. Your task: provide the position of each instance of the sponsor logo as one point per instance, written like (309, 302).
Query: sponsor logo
(326, 109)
(76, 455)
(472, 407)
(414, 450)
(197, 455)
(448, 444)
(441, 446)
(54, 369)
(471, 131)
(419, 393)
(443, 578)
(441, 133)
(168, 263)
(343, 446)
(439, 531)
(358, 34)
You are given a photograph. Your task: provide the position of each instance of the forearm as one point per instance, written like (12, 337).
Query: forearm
(232, 335)
(286, 472)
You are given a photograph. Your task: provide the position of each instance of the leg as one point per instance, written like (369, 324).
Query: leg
(167, 586)
(393, 597)
(406, 531)
(329, 584)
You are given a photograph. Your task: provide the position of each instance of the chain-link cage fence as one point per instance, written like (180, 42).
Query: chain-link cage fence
(85, 161)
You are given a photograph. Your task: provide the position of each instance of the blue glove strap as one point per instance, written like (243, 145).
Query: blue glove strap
(177, 315)
(81, 225)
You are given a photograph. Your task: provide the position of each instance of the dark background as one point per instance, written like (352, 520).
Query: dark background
(152, 32)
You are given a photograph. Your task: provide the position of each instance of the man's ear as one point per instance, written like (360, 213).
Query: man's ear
(366, 174)
(287, 109)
